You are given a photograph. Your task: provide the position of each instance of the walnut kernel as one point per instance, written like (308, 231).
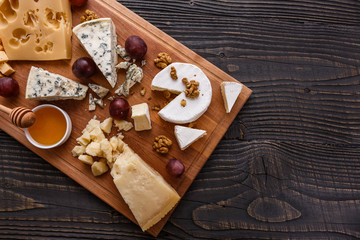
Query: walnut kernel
(89, 15)
(173, 73)
(183, 102)
(162, 144)
(191, 88)
(167, 94)
(163, 60)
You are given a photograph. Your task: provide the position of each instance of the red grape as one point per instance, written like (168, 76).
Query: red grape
(9, 87)
(175, 167)
(119, 108)
(84, 68)
(78, 3)
(135, 47)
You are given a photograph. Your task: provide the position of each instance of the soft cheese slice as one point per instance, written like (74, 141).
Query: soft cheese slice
(36, 30)
(186, 136)
(43, 85)
(146, 192)
(230, 92)
(99, 39)
(141, 116)
(195, 107)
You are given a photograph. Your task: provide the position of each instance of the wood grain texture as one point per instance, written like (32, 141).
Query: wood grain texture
(214, 121)
(288, 166)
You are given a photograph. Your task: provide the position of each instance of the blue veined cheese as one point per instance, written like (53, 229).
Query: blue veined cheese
(92, 105)
(43, 85)
(99, 90)
(133, 75)
(99, 38)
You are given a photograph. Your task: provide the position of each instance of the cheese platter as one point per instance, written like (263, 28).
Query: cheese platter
(154, 115)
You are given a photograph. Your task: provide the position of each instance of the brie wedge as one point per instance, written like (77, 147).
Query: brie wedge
(99, 38)
(195, 107)
(230, 92)
(146, 192)
(186, 136)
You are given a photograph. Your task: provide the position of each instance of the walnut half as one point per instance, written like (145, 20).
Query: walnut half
(163, 60)
(162, 144)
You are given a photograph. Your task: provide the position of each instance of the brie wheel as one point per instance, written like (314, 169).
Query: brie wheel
(230, 92)
(195, 107)
(186, 136)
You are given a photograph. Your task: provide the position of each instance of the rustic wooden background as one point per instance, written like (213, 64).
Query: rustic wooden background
(289, 165)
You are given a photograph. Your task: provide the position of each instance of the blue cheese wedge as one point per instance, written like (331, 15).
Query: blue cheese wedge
(195, 107)
(146, 192)
(43, 85)
(99, 90)
(186, 136)
(99, 39)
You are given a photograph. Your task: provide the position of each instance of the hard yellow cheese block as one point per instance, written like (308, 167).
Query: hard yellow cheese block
(36, 30)
(148, 195)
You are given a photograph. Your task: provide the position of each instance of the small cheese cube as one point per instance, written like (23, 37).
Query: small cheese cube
(78, 150)
(106, 148)
(3, 57)
(141, 116)
(6, 69)
(99, 168)
(94, 149)
(84, 139)
(93, 123)
(86, 159)
(97, 135)
(123, 125)
(106, 125)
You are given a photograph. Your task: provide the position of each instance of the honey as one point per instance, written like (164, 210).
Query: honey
(49, 127)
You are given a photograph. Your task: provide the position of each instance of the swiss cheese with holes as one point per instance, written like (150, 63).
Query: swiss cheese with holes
(36, 30)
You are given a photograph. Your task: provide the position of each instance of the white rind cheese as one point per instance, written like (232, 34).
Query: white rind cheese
(186, 136)
(230, 92)
(146, 192)
(99, 39)
(43, 85)
(195, 107)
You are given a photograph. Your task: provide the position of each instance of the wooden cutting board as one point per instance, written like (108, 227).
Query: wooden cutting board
(215, 121)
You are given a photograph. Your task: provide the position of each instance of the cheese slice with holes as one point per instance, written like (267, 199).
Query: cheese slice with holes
(230, 92)
(99, 38)
(186, 136)
(146, 192)
(36, 30)
(195, 107)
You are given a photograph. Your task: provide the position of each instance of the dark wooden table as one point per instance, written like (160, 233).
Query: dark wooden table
(289, 165)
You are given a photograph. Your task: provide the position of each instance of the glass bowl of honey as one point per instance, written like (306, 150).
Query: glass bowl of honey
(51, 129)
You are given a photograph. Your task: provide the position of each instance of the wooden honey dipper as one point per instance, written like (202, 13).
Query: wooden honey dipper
(20, 116)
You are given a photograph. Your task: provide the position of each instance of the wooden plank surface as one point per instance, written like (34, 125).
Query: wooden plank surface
(287, 167)
(215, 121)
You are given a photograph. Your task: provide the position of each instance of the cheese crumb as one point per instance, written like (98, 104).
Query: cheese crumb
(86, 159)
(123, 125)
(99, 168)
(78, 150)
(106, 125)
